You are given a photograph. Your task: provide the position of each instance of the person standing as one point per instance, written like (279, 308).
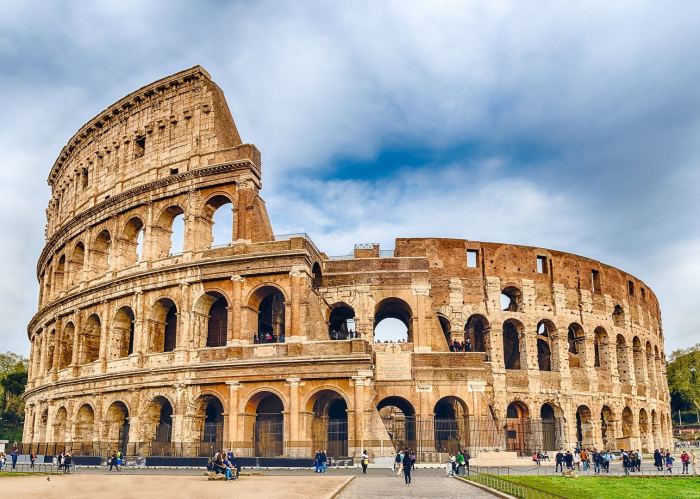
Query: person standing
(14, 456)
(460, 463)
(669, 462)
(317, 461)
(685, 461)
(364, 461)
(559, 462)
(398, 461)
(324, 461)
(32, 459)
(658, 462)
(407, 468)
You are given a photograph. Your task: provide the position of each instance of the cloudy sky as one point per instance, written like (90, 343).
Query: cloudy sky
(574, 127)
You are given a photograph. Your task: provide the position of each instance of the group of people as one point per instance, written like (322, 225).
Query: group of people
(64, 461)
(460, 346)
(666, 459)
(115, 460)
(320, 461)
(581, 459)
(13, 458)
(222, 465)
(267, 337)
(405, 461)
(458, 463)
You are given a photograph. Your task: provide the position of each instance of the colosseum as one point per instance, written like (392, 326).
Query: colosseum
(161, 336)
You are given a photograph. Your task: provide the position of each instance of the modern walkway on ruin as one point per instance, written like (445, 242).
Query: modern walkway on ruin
(430, 485)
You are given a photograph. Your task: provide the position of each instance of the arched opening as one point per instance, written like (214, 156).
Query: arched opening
(100, 251)
(131, 249)
(638, 355)
(51, 338)
(219, 209)
(269, 304)
(317, 276)
(43, 426)
(169, 232)
(77, 263)
(329, 425)
(446, 328)
(644, 429)
(451, 425)
(656, 434)
(268, 432)
(65, 355)
(84, 425)
(544, 351)
(60, 427)
(551, 428)
(607, 427)
(341, 323)
(159, 424)
(618, 316)
(511, 299)
(211, 425)
(399, 418)
(217, 323)
(163, 326)
(117, 427)
(575, 339)
(477, 331)
(584, 427)
(627, 425)
(60, 274)
(122, 338)
(601, 349)
(90, 340)
(623, 367)
(393, 321)
(518, 428)
(512, 331)
(651, 374)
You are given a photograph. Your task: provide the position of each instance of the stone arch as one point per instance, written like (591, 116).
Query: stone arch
(43, 425)
(317, 276)
(451, 424)
(65, 353)
(265, 410)
(218, 212)
(132, 241)
(545, 332)
(623, 367)
(393, 309)
(551, 417)
(76, 263)
(163, 326)
(513, 351)
(168, 231)
(584, 427)
(638, 359)
(477, 330)
(511, 299)
(116, 426)
(50, 350)
(655, 430)
(446, 329)
(607, 427)
(89, 340)
(122, 333)
(328, 426)
(518, 434)
(627, 424)
(157, 424)
(575, 338)
(601, 349)
(60, 426)
(618, 316)
(84, 424)
(213, 307)
(60, 274)
(100, 252)
(399, 418)
(209, 422)
(651, 373)
(341, 322)
(644, 430)
(268, 305)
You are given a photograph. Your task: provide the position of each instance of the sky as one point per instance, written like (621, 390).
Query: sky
(566, 125)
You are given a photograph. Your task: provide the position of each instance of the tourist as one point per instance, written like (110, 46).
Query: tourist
(67, 462)
(569, 460)
(467, 457)
(414, 458)
(669, 461)
(317, 461)
(113, 462)
(2, 460)
(576, 460)
(467, 345)
(536, 458)
(658, 460)
(638, 461)
(626, 462)
(545, 456)
(59, 460)
(407, 468)
(324, 462)
(585, 459)
(364, 460)
(597, 461)
(229, 469)
(460, 463)
(451, 465)
(32, 459)
(606, 461)
(685, 461)
(14, 455)
(397, 462)
(559, 462)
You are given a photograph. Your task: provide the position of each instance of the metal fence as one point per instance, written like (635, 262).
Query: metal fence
(510, 488)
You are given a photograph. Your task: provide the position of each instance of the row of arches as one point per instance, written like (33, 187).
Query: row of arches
(133, 243)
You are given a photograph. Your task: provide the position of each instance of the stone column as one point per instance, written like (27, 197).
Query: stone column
(140, 329)
(359, 403)
(44, 349)
(233, 435)
(58, 343)
(293, 441)
(297, 278)
(104, 335)
(421, 328)
(234, 333)
(77, 323)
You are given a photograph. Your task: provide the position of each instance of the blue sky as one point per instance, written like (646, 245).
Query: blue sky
(567, 125)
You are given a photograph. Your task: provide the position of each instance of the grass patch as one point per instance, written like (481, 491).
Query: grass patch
(612, 487)
(21, 473)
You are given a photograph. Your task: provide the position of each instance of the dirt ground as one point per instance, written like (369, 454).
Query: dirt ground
(169, 487)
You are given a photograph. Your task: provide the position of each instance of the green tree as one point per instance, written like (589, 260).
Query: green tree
(13, 381)
(683, 374)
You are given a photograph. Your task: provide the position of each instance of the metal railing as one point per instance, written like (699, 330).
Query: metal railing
(510, 488)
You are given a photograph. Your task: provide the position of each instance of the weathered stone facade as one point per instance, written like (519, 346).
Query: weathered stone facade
(236, 344)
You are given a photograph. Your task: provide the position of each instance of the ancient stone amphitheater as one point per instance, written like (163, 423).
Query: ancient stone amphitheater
(157, 335)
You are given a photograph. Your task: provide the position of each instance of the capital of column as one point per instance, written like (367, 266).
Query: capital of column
(233, 385)
(293, 382)
(237, 278)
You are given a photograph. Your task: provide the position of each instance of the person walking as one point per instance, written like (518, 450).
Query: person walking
(407, 465)
(14, 455)
(399, 462)
(669, 462)
(364, 460)
(685, 461)
(113, 462)
(658, 461)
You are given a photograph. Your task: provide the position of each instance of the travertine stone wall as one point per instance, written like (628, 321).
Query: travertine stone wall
(126, 326)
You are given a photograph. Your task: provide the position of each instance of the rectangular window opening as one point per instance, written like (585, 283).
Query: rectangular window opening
(472, 258)
(630, 287)
(542, 265)
(174, 171)
(595, 281)
(139, 147)
(84, 178)
(644, 294)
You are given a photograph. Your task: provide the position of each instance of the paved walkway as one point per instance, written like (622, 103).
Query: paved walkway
(422, 485)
